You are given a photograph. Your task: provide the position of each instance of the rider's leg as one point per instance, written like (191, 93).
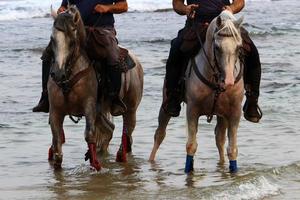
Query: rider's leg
(252, 78)
(118, 107)
(173, 73)
(43, 105)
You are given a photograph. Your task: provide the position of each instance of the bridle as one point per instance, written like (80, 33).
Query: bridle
(69, 80)
(215, 85)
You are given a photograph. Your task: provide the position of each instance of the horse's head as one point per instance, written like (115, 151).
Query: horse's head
(225, 43)
(68, 36)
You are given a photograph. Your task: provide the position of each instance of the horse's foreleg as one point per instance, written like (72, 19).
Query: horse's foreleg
(90, 135)
(220, 136)
(232, 150)
(191, 146)
(129, 122)
(160, 133)
(55, 151)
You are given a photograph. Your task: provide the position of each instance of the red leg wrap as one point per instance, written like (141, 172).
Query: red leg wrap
(93, 157)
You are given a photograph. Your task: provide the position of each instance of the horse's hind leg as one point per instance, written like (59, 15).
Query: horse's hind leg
(220, 136)
(232, 150)
(55, 151)
(160, 133)
(129, 122)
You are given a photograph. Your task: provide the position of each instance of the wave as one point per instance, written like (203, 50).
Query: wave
(257, 185)
(23, 9)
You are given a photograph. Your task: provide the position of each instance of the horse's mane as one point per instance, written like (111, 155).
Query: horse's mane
(65, 19)
(227, 28)
(80, 27)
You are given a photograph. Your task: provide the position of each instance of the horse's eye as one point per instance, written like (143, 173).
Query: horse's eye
(218, 48)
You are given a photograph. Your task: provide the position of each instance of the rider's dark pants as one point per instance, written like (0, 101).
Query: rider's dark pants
(46, 64)
(252, 63)
(186, 45)
(102, 44)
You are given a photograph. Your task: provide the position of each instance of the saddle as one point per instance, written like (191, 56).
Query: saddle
(125, 61)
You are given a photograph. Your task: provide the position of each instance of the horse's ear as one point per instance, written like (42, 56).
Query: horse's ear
(76, 17)
(219, 21)
(238, 23)
(53, 13)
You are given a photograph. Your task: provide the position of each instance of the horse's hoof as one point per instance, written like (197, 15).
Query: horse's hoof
(121, 157)
(233, 166)
(50, 154)
(96, 165)
(189, 164)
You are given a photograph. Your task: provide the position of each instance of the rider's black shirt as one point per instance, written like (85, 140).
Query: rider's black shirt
(88, 14)
(208, 9)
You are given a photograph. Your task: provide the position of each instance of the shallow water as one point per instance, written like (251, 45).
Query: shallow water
(269, 152)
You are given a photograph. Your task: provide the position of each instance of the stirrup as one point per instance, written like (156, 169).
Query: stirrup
(254, 119)
(118, 107)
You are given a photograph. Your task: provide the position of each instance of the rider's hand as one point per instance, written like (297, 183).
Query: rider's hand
(228, 8)
(190, 10)
(61, 9)
(102, 8)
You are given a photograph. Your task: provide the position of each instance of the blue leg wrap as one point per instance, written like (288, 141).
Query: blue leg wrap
(189, 164)
(233, 166)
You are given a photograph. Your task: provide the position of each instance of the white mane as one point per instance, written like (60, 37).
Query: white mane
(228, 25)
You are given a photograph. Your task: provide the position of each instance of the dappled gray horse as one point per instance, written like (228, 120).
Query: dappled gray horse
(214, 86)
(73, 91)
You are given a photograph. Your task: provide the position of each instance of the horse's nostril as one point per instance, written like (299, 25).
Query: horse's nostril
(52, 74)
(63, 76)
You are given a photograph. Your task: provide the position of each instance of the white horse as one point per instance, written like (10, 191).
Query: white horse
(214, 86)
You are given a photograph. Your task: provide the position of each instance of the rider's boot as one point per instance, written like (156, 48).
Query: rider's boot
(43, 105)
(118, 107)
(252, 111)
(252, 76)
(172, 104)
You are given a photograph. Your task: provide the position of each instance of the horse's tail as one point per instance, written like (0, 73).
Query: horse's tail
(104, 132)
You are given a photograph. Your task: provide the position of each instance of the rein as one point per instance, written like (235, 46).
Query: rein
(67, 84)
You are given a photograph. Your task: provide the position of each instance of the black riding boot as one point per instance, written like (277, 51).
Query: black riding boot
(174, 67)
(252, 111)
(43, 105)
(118, 107)
(172, 104)
(252, 76)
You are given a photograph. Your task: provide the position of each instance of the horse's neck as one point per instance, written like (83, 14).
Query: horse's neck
(203, 62)
(82, 62)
